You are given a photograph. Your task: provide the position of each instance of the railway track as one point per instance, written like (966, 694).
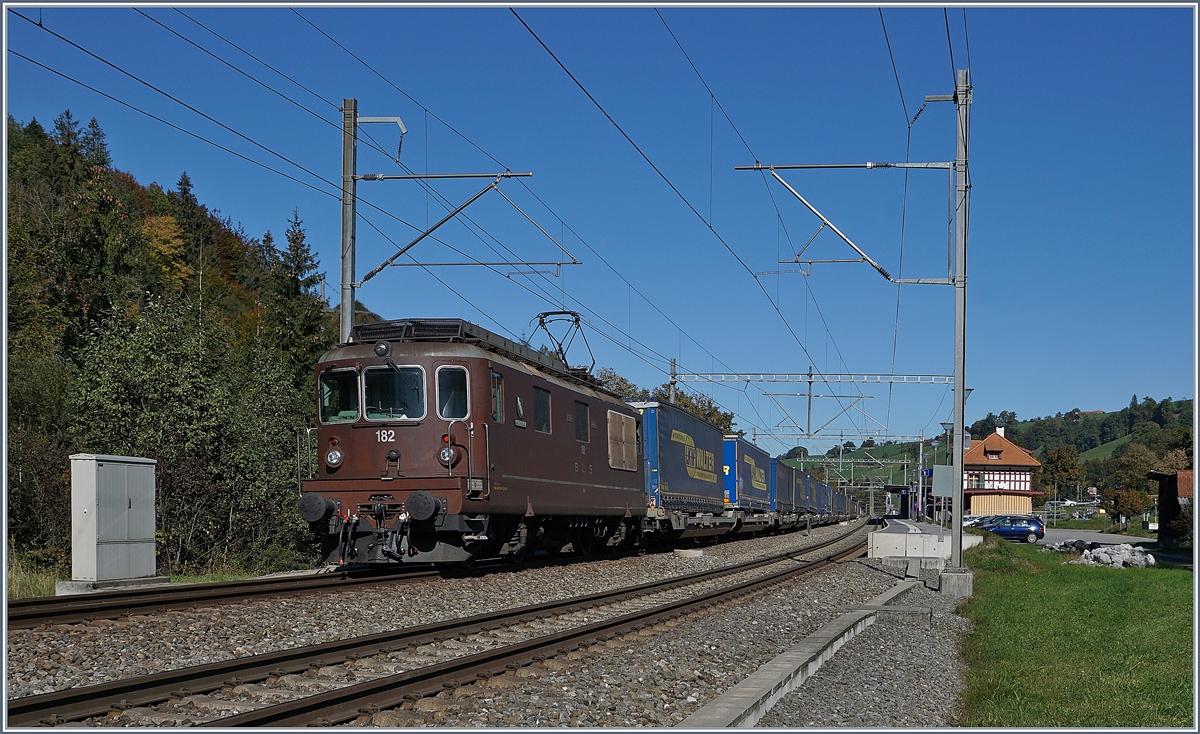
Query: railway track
(34, 612)
(386, 667)
(37, 611)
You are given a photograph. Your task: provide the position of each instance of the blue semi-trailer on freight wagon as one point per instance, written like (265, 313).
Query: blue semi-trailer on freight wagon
(681, 450)
(746, 475)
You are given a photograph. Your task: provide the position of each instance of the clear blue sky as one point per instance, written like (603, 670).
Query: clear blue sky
(1082, 160)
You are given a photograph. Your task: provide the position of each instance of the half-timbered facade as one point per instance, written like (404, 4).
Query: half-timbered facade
(998, 477)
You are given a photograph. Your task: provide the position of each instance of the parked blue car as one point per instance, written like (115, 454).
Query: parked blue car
(1017, 528)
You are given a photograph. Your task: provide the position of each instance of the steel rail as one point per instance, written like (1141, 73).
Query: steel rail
(348, 703)
(75, 704)
(36, 611)
(33, 612)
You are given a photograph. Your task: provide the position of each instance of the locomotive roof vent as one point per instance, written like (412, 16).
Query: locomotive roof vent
(453, 331)
(464, 332)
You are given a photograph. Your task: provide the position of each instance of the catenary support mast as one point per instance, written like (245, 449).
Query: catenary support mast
(962, 102)
(349, 163)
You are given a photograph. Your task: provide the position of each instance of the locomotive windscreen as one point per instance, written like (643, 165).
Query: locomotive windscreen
(339, 396)
(394, 393)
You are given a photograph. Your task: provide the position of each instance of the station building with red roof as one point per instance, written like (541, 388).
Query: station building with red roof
(998, 477)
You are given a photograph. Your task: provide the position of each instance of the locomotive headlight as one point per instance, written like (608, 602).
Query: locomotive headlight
(446, 455)
(334, 457)
(381, 348)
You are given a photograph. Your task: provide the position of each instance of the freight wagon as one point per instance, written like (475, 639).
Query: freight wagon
(684, 485)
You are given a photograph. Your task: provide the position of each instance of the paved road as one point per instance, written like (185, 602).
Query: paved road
(1055, 535)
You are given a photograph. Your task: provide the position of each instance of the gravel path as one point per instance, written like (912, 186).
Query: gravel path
(893, 674)
(64, 656)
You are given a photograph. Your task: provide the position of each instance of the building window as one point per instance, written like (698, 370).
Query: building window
(541, 410)
(581, 421)
(993, 455)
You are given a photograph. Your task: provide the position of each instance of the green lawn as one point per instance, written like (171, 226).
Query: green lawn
(1066, 645)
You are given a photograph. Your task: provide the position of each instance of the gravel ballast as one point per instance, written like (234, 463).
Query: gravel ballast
(895, 673)
(65, 656)
(655, 677)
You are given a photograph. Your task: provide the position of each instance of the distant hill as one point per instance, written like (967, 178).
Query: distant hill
(1105, 450)
(1096, 435)
(1150, 422)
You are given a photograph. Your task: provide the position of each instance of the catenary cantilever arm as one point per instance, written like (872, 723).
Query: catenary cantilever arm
(832, 226)
(426, 233)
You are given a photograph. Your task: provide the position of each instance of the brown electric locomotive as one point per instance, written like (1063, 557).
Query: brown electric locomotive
(440, 441)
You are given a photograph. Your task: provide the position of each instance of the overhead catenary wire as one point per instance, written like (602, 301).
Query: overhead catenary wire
(490, 318)
(173, 125)
(903, 207)
(264, 85)
(173, 98)
(895, 71)
(666, 180)
(966, 38)
(950, 45)
(272, 68)
(733, 125)
(471, 226)
(778, 214)
(372, 142)
(525, 185)
(255, 162)
(220, 124)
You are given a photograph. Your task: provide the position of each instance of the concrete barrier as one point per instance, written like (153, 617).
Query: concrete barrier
(747, 702)
(901, 539)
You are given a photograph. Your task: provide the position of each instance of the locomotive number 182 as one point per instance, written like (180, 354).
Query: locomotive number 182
(385, 436)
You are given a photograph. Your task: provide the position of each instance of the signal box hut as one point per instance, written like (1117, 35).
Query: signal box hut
(998, 477)
(1175, 491)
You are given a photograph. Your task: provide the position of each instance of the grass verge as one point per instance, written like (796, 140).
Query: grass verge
(1079, 646)
(26, 581)
(34, 573)
(210, 578)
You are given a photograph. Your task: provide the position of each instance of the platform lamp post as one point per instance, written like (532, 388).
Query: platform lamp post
(956, 491)
(957, 432)
(933, 461)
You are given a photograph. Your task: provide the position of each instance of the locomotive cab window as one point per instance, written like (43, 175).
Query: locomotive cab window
(541, 410)
(339, 396)
(394, 393)
(581, 421)
(452, 392)
(498, 398)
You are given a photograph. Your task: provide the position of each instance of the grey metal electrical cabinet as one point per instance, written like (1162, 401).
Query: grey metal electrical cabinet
(112, 517)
